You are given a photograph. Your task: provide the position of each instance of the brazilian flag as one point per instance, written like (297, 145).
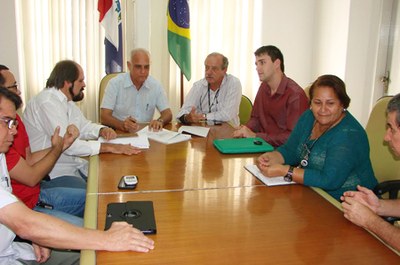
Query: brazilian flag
(179, 34)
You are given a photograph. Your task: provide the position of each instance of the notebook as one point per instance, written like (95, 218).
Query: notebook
(242, 145)
(275, 181)
(138, 213)
(164, 136)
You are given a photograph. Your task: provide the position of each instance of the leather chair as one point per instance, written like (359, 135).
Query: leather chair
(245, 109)
(385, 165)
(102, 88)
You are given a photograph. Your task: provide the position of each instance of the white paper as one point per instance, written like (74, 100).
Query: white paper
(195, 130)
(275, 181)
(140, 141)
(164, 136)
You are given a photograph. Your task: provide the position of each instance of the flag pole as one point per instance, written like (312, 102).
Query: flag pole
(182, 89)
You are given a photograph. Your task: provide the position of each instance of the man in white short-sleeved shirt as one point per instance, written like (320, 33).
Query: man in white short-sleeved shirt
(216, 97)
(131, 98)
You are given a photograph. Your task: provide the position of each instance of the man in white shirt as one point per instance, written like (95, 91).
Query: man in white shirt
(45, 230)
(55, 106)
(131, 98)
(216, 97)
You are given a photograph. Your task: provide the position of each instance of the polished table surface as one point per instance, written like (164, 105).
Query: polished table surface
(248, 225)
(210, 210)
(186, 165)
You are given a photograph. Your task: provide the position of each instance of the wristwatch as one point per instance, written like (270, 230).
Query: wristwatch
(289, 175)
(160, 120)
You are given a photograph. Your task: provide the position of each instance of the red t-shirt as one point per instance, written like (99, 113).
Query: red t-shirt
(29, 195)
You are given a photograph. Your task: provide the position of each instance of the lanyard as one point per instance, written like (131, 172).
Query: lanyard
(209, 99)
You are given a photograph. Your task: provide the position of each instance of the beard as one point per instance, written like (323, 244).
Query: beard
(78, 97)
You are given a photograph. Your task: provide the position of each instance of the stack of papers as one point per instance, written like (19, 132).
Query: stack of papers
(164, 136)
(275, 181)
(140, 141)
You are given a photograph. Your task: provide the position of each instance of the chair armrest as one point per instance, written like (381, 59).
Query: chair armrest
(391, 186)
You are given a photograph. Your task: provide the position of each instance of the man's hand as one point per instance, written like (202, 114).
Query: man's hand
(156, 125)
(130, 125)
(356, 212)
(243, 132)
(71, 134)
(123, 237)
(364, 196)
(42, 254)
(107, 133)
(56, 139)
(193, 117)
(124, 149)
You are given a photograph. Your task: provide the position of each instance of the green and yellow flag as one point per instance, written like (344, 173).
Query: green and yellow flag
(179, 35)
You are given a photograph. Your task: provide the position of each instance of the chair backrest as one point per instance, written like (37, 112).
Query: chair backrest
(245, 109)
(386, 166)
(307, 91)
(102, 88)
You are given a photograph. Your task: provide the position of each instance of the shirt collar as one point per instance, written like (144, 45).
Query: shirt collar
(60, 95)
(205, 83)
(129, 83)
(282, 85)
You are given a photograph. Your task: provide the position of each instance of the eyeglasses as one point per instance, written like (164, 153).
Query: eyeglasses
(10, 122)
(15, 86)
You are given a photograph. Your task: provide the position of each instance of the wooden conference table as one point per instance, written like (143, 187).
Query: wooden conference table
(210, 210)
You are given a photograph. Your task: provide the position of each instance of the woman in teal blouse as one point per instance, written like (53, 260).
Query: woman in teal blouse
(328, 148)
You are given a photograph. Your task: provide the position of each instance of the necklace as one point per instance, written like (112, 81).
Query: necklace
(307, 150)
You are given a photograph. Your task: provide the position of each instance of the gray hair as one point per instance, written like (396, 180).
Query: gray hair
(394, 106)
(225, 61)
(139, 50)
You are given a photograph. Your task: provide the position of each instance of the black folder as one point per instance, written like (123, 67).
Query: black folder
(138, 213)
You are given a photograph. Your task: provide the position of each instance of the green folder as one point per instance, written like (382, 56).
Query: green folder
(242, 145)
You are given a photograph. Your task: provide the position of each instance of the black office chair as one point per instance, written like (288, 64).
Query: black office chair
(392, 188)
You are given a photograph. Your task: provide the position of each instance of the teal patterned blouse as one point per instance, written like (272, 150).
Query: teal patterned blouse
(338, 160)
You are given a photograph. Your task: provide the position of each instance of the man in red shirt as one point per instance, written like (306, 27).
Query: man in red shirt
(279, 102)
(28, 169)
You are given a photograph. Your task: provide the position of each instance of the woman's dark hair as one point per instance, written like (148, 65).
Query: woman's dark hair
(66, 70)
(334, 82)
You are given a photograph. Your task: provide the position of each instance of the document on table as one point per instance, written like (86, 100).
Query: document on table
(164, 136)
(195, 130)
(140, 141)
(275, 181)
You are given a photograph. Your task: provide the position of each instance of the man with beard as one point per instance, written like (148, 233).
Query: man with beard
(55, 106)
(27, 169)
(45, 231)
